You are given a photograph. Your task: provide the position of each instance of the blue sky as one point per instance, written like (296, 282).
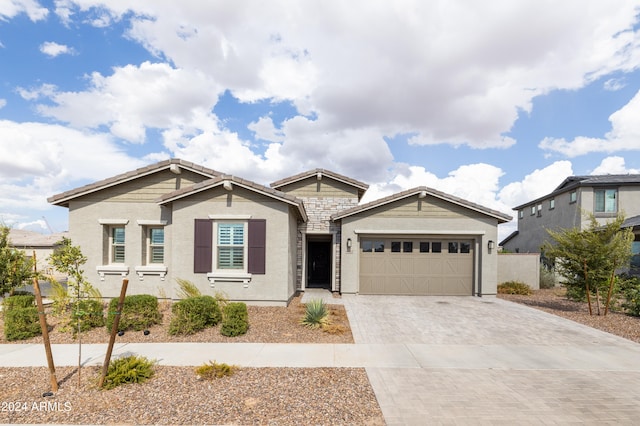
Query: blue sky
(496, 102)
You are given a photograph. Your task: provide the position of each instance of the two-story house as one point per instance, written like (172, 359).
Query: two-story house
(569, 206)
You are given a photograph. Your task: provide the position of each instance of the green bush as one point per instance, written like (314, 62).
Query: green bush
(89, 312)
(630, 288)
(315, 314)
(18, 301)
(21, 323)
(235, 319)
(547, 278)
(129, 369)
(194, 314)
(139, 311)
(514, 287)
(214, 370)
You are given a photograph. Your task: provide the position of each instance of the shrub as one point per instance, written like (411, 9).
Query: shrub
(187, 289)
(547, 278)
(235, 319)
(630, 287)
(214, 370)
(89, 312)
(21, 323)
(194, 314)
(19, 301)
(514, 287)
(129, 369)
(139, 311)
(315, 314)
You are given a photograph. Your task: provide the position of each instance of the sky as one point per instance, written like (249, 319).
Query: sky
(496, 102)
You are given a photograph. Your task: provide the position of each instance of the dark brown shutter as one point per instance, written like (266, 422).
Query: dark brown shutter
(257, 240)
(203, 248)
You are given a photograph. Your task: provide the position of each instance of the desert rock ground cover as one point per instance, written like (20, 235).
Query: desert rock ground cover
(278, 396)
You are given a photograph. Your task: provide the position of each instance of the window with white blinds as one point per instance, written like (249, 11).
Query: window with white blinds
(230, 247)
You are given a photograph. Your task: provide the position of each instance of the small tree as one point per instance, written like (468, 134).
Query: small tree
(69, 259)
(16, 268)
(588, 259)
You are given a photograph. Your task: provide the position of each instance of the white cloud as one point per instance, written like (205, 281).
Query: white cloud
(536, 184)
(39, 160)
(134, 98)
(11, 8)
(3, 103)
(624, 135)
(53, 49)
(614, 84)
(392, 68)
(266, 130)
(613, 166)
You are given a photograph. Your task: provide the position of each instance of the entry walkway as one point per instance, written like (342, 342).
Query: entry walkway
(433, 360)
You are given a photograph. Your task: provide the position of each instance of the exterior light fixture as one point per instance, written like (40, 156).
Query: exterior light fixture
(348, 244)
(491, 245)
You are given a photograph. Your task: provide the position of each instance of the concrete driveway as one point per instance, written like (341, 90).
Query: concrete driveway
(489, 361)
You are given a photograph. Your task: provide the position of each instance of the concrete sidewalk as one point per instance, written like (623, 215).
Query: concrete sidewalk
(373, 355)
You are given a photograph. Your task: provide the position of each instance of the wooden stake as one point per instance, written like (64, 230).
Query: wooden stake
(45, 329)
(114, 331)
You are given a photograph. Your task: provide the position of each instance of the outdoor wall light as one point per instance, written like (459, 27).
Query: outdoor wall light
(348, 243)
(491, 244)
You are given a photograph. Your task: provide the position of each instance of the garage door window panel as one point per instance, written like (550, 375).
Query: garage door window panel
(424, 246)
(453, 247)
(436, 247)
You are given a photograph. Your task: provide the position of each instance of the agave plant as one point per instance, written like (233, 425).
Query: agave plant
(316, 314)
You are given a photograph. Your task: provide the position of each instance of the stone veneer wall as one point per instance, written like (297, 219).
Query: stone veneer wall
(319, 211)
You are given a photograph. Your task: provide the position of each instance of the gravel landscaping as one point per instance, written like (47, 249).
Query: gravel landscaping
(554, 301)
(273, 396)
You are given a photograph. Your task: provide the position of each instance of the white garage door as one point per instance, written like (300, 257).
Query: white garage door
(414, 266)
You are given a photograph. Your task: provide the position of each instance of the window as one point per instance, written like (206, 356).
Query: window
(573, 197)
(552, 204)
(539, 210)
(407, 247)
(533, 210)
(230, 246)
(369, 246)
(520, 214)
(453, 247)
(465, 248)
(424, 246)
(436, 247)
(155, 241)
(605, 200)
(395, 246)
(117, 244)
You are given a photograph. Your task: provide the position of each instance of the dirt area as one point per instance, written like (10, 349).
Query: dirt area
(555, 302)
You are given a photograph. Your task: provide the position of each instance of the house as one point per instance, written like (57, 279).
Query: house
(569, 206)
(42, 245)
(261, 244)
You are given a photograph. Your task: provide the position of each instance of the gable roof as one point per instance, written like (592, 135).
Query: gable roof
(631, 222)
(63, 198)
(225, 180)
(361, 186)
(422, 191)
(573, 182)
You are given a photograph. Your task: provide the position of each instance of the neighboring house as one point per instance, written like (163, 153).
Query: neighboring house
(569, 206)
(261, 244)
(42, 245)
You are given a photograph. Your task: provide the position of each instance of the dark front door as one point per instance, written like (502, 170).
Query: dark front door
(319, 264)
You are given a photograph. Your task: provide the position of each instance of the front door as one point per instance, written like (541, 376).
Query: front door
(319, 264)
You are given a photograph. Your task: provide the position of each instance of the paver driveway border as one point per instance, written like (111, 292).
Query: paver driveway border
(490, 361)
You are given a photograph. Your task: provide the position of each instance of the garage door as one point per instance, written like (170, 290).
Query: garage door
(412, 266)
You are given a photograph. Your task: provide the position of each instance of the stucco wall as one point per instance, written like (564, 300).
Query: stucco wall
(523, 267)
(277, 285)
(475, 226)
